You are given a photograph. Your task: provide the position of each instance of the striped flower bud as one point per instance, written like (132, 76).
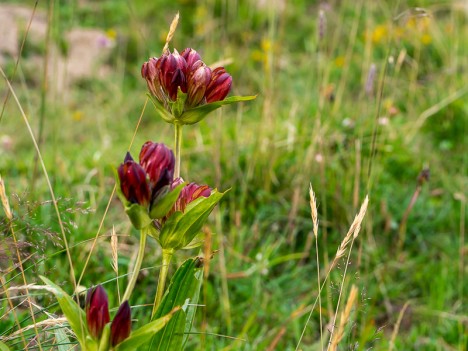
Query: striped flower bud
(97, 311)
(219, 85)
(133, 182)
(121, 326)
(198, 80)
(158, 162)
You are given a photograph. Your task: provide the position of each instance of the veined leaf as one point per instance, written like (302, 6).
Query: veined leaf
(181, 228)
(75, 315)
(197, 114)
(183, 291)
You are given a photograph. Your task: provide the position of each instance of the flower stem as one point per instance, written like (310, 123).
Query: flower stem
(178, 141)
(166, 260)
(136, 269)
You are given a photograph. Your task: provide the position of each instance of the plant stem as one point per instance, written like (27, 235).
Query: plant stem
(178, 141)
(136, 269)
(166, 260)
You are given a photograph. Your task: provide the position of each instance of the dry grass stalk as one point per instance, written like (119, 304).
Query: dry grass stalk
(344, 318)
(53, 322)
(313, 210)
(115, 258)
(5, 203)
(172, 30)
(397, 326)
(353, 231)
(314, 215)
(115, 255)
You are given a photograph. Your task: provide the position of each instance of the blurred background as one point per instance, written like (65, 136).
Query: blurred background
(354, 98)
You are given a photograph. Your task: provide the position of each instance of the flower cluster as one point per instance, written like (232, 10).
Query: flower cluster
(150, 181)
(97, 317)
(186, 71)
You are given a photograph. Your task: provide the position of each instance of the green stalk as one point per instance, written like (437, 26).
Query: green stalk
(136, 270)
(178, 141)
(166, 260)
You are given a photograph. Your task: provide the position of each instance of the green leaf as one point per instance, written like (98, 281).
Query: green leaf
(75, 315)
(62, 340)
(165, 115)
(164, 205)
(3, 347)
(196, 241)
(144, 334)
(181, 228)
(196, 114)
(183, 291)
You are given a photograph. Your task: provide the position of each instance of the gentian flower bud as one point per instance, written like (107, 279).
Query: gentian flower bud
(190, 56)
(190, 193)
(133, 182)
(172, 71)
(219, 86)
(158, 162)
(97, 311)
(150, 72)
(121, 326)
(198, 80)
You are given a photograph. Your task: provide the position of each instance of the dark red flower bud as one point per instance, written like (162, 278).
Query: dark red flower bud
(158, 161)
(133, 182)
(172, 71)
(198, 80)
(97, 311)
(178, 80)
(150, 71)
(190, 56)
(121, 326)
(190, 193)
(219, 86)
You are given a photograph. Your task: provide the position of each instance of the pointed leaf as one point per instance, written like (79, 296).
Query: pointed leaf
(183, 291)
(164, 205)
(196, 114)
(75, 315)
(165, 115)
(181, 228)
(143, 335)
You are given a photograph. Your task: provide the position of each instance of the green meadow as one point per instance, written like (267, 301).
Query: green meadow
(354, 99)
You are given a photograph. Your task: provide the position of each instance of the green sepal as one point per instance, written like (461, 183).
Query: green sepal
(91, 344)
(177, 107)
(180, 229)
(138, 216)
(105, 338)
(183, 290)
(163, 113)
(196, 114)
(144, 334)
(164, 204)
(76, 317)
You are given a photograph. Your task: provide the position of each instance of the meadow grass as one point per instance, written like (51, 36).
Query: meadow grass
(353, 99)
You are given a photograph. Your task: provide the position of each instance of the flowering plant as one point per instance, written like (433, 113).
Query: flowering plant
(162, 206)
